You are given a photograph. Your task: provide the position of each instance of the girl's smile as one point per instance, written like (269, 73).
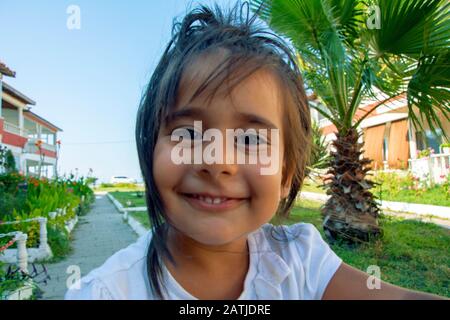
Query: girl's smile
(213, 203)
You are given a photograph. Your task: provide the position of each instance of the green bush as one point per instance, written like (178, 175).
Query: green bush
(59, 241)
(7, 160)
(10, 281)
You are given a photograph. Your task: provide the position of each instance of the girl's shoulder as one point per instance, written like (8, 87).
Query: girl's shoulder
(295, 259)
(301, 235)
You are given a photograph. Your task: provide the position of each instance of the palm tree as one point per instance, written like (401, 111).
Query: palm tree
(348, 50)
(319, 156)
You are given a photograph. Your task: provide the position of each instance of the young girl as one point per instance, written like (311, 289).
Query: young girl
(211, 238)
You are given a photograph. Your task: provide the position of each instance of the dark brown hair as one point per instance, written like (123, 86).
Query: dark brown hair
(250, 47)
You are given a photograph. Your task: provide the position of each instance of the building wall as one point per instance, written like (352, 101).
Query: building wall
(391, 127)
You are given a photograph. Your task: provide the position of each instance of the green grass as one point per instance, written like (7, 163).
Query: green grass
(124, 196)
(434, 196)
(141, 217)
(411, 254)
(312, 187)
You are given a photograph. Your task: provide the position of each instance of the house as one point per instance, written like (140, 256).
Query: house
(32, 139)
(390, 138)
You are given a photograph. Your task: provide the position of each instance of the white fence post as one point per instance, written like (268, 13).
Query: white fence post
(22, 254)
(43, 233)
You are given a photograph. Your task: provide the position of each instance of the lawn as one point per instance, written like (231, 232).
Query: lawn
(136, 198)
(434, 196)
(412, 254)
(142, 217)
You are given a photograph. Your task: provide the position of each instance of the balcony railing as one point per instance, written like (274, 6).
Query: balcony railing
(436, 167)
(12, 128)
(49, 147)
(15, 129)
(44, 145)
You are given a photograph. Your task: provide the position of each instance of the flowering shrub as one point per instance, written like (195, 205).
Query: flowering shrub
(425, 153)
(25, 197)
(393, 183)
(446, 186)
(406, 187)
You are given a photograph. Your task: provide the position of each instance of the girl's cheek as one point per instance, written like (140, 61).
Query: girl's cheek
(266, 190)
(165, 172)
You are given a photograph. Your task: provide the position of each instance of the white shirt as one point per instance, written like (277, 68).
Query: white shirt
(294, 269)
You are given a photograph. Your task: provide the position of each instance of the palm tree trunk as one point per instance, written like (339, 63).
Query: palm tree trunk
(351, 212)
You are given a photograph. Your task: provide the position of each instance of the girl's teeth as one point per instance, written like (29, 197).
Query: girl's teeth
(210, 200)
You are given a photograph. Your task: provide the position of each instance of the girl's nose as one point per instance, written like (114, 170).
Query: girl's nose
(217, 170)
(224, 165)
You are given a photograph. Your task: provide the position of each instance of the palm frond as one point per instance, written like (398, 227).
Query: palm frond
(429, 92)
(411, 27)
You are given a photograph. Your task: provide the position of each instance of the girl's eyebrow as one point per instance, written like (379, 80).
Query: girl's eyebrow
(186, 112)
(253, 118)
(198, 113)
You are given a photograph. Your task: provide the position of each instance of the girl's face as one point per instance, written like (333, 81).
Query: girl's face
(240, 198)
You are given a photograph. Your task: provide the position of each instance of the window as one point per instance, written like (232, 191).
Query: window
(385, 148)
(420, 141)
(429, 140)
(434, 141)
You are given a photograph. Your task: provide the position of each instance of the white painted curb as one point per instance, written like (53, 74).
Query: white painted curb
(115, 203)
(134, 224)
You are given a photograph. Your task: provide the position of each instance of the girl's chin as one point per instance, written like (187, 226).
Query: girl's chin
(213, 236)
(214, 239)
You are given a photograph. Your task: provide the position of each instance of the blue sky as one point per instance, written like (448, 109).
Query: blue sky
(89, 81)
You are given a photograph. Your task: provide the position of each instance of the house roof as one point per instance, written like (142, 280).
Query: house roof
(6, 71)
(17, 94)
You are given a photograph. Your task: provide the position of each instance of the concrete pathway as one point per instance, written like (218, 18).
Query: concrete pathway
(445, 223)
(96, 237)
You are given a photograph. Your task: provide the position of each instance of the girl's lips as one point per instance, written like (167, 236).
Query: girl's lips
(212, 203)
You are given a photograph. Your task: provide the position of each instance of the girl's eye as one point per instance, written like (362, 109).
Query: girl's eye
(194, 134)
(186, 134)
(250, 140)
